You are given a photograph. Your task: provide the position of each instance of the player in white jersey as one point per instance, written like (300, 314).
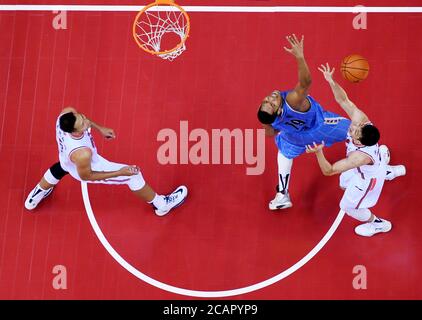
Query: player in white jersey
(78, 157)
(365, 168)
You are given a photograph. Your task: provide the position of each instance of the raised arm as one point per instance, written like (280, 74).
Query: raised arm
(105, 132)
(297, 97)
(354, 113)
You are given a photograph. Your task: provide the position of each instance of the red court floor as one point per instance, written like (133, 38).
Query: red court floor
(223, 237)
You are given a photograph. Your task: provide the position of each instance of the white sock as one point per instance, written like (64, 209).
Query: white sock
(158, 201)
(48, 176)
(284, 169)
(360, 214)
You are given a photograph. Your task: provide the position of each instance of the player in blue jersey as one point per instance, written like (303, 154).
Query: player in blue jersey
(297, 120)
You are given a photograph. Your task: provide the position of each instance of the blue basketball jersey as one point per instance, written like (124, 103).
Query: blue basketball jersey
(298, 129)
(294, 122)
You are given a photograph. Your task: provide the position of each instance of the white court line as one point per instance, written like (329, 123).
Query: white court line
(196, 293)
(214, 8)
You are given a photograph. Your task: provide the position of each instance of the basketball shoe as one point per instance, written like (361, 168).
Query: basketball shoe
(394, 172)
(173, 200)
(281, 201)
(370, 228)
(36, 196)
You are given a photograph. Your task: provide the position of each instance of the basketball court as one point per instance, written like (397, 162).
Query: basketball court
(223, 241)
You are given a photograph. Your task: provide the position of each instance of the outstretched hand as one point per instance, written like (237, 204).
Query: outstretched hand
(107, 133)
(327, 72)
(129, 171)
(296, 46)
(316, 148)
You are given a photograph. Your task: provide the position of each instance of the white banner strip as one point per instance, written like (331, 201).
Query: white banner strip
(303, 9)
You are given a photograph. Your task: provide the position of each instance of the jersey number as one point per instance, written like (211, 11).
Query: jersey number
(295, 123)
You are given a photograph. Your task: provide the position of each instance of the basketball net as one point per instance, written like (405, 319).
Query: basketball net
(161, 28)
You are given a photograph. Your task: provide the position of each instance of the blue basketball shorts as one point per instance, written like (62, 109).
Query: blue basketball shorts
(333, 129)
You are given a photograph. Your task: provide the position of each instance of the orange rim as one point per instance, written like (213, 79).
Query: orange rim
(157, 3)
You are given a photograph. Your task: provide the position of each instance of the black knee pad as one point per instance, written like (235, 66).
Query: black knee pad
(57, 171)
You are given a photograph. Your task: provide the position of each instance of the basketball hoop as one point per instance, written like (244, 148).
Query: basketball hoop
(161, 28)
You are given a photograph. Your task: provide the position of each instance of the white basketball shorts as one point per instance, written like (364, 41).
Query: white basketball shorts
(361, 193)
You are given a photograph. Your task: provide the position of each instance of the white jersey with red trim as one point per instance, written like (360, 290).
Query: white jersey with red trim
(68, 144)
(370, 170)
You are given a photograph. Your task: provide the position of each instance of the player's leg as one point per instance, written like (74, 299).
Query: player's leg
(287, 152)
(284, 171)
(392, 171)
(136, 183)
(282, 198)
(372, 225)
(360, 195)
(44, 188)
(162, 204)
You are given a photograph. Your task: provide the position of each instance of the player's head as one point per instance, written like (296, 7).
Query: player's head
(73, 122)
(366, 134)
(370, 135)
(270, 108)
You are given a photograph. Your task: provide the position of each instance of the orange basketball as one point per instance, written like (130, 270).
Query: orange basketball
(354, 68)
